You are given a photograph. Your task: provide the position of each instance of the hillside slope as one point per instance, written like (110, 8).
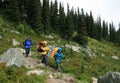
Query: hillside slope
(83, 63)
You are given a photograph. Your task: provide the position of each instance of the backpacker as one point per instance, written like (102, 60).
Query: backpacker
(40, 46)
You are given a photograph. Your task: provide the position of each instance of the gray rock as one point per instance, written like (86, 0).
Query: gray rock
(110, 77)
(15, 42)
(13, 56)
(74, 48)
(115, 57)
(16, 32)
(36, 72)
(94, 80)
(49, 36)
(0, 37)
(87, 51)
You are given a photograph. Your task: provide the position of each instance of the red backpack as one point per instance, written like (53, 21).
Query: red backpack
(40, 46)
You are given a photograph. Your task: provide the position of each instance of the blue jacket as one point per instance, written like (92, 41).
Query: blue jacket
(27, 43)
(58, 56)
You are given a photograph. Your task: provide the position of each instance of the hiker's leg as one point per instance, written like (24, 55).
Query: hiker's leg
(45, 59)
(42, 59)
(27, 51)
(59, 67)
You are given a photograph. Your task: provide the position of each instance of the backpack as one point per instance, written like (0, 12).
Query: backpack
(53, 52)
(40, 46)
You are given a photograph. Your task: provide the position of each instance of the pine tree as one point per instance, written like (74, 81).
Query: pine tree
(81, 38)
(62, 21)
(51, 15)
(105, 30)
(92, 26)
(69, 24)
(118, 36)
(22, 10)
(75, 18)
(112, 34)
(46, 16)
(34, 14)
(55, 17)
(99, 29)
(11, 10)
(0, 3)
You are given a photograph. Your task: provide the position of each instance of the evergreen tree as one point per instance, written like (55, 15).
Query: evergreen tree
(69, 24)
(0, 3)
(81, 38)
(22, 10)
(46, 16)
(34, 14)
(51, 15)
(62, 21)
(112, 34)
(55, 17)
(118, 36)
(99, 29)
(75, 20)
(105, 30)
(92, 26)
(11, 10)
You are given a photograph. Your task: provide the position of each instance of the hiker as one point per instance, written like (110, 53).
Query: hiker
(43, 48)
(58, 56)
(27, 45)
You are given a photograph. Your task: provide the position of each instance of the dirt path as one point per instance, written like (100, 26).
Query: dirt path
(53, 75)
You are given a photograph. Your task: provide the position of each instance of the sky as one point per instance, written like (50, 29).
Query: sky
(108, 10)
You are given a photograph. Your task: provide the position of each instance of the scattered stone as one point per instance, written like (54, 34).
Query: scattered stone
(15, 43)
(0, 37)
(36, 72)
(16, 32)
(110, 77)
(115, 57)
(50, 76)
(49, 36)
(94, 80)
(74, 48)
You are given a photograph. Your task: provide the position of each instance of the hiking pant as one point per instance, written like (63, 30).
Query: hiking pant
(44, 59)
(58, 67)
(27, 50)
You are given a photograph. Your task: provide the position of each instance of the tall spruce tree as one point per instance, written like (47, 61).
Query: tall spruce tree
(81, 38)
(61, 21)
(69, 24)
(51, 15)
(11, 10)
(99, 29)
(22, 10)
(0, 3)
(105, 30)
(92, 26)
(46, 16)
(75, 20)
(34, 14)
(118, 36)
(55, 26)
(112, 32)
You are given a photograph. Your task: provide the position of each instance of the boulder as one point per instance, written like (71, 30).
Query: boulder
(15, 43)
(110, 77)
(13, 56)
